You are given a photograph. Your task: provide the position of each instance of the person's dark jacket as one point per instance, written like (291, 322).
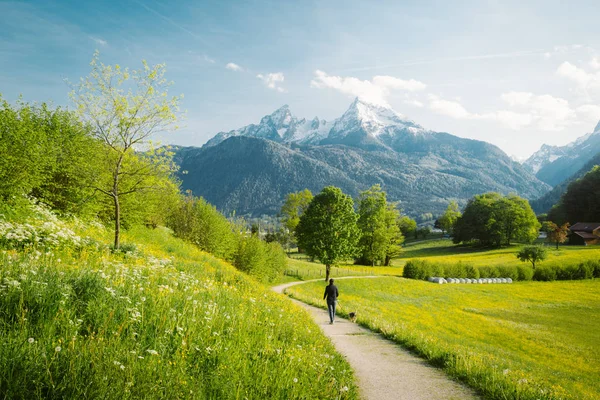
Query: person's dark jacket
(331, 293)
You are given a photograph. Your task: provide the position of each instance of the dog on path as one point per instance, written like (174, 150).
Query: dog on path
(352, 316)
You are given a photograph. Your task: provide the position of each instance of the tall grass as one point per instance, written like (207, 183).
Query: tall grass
(530, 340)
(160, 320)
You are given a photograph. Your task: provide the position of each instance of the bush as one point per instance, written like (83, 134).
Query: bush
(263, 261)
(458, 270)
(489, 272)
(546, 273)
(508, 272)
(524, 273)
(472, 272)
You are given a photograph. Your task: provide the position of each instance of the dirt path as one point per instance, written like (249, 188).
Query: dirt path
(383, 369)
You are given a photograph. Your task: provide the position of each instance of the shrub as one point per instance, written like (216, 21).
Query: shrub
(524, 273)
(489, 272)
(417, 269)
(458, 270)
(472, 272)
(546, 273)
(508, 272)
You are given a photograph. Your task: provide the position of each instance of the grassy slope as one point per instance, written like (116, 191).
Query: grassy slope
(525, 340)
(171, 323)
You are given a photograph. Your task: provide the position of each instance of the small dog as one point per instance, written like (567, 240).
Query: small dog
(352, 316)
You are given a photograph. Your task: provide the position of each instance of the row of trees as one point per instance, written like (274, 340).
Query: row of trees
(580, 201)
(328, 227)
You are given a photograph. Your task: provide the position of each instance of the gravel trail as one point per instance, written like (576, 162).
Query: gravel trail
(383, 369)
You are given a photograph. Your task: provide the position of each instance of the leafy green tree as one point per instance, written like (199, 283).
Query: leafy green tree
(532, 254)
(492, 219)
(294, 206)
(394, 235)
(125, 110)
(327, 230)
(199, 222)
(372, 211)
(448, 220)
(580, 201)
(407, 225)
(556, 234)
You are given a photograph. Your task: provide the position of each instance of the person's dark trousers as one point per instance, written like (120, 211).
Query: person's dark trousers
(331, 309)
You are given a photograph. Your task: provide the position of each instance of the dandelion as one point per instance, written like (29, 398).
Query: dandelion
(153, 352)
(31, 340)
(295, 380)
(344, 389)
(57, 349)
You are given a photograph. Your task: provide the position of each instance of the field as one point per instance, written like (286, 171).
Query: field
(443, 251)
(302, 269)
(163, 320)
(530, 340)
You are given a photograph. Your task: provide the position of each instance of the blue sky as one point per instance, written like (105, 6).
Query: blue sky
(515, 73)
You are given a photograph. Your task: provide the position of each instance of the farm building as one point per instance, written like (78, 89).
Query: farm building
(585, 233)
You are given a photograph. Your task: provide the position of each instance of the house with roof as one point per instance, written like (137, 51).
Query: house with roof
(585, 233)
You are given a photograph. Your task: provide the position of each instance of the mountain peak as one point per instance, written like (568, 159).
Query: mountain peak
(597, 129)
(373, 118)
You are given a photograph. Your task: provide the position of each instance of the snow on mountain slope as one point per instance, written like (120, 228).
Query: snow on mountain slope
(553, 164)
(372, 119)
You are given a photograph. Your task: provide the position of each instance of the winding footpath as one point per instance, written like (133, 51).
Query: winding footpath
(382, 368)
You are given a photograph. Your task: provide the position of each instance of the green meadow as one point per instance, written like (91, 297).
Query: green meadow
(159, 319)
(443, 251)
(526, 340)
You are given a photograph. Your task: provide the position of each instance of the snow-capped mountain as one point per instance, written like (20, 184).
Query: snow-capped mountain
(250, 170)
(280, 126)
(554, 164)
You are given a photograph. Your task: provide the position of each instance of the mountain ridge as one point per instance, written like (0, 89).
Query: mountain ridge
(252, 169)
(555, 164)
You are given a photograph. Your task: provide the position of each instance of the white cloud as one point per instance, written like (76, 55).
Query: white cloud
(589, 112)
(273, 80)
(208, 59)
(374, 91)
(99, 41)
(233, 67)
(449, 108)
(548, 113)
(595, 63)
(586, 81)
(543, 112)
(415, 103)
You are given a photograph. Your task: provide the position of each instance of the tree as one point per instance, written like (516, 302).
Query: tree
(407, 225)
(294, 206)
(199, 222)
(556, 234)
(393, 233)
(493, 219)
(580, 201)
(532, 254)
(448, 220)
(125, 110)
(372, 209)
(378, 222)
(327, 230)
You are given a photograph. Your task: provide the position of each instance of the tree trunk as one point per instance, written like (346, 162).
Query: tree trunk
(387, 261)
(327, 270)
(557, 245)
(117, 222)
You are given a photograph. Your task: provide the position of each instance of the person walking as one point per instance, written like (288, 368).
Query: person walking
(331, 294)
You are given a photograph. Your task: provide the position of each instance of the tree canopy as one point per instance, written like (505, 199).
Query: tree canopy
(381, 237)
(125, 109)
(580, 202)
(448, 220)
(327, 230)
(533, 254)
(493, 219)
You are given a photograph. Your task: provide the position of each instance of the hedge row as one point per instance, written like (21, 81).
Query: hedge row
(422, 269)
